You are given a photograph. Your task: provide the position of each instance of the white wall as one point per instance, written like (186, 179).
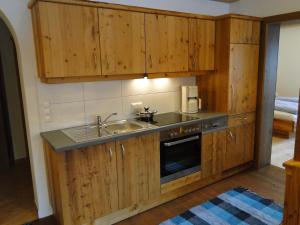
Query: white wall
(263, 8)
(207, 7)
(17, 16)
(74, 104)
(288, 80)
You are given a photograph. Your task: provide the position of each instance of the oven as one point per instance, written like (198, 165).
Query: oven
(180, 152)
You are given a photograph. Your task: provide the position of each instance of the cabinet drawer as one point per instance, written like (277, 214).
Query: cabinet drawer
(241, 119)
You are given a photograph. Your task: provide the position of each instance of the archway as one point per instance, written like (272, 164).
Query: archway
(16, 193)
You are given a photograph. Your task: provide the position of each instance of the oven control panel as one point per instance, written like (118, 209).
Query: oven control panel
(181, 131)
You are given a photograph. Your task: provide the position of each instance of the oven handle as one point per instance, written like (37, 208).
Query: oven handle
(169, 144)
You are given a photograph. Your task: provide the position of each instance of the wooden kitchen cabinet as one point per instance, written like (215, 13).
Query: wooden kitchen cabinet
(99, 41)
(244, 31)
(89, 183)
(92, 182)
(243, 78)
(201, 44)
(233, 87)
(138, 170)
(166, 43)
(122, 38)
(213, 149)
(239, 145)
(67, 40)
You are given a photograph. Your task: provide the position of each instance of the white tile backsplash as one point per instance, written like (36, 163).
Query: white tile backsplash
(64, 115)
(102, 90)
(66, 105)
(60, 93)
(103, 108)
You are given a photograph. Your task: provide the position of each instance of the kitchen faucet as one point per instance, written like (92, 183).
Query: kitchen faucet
(100, 123)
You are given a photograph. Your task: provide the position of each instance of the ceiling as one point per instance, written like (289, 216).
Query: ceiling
(228, 1)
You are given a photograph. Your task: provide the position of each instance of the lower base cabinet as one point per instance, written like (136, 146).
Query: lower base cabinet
(89, 183)
(107, 183)
(213, 148)
(239, 145)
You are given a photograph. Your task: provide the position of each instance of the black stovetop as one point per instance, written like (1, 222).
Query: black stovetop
(165, 119)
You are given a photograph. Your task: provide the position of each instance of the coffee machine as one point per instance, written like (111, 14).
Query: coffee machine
(189, 99)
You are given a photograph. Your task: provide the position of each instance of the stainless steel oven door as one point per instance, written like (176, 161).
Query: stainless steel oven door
(180, 157)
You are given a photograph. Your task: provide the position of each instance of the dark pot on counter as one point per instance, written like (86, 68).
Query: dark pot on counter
(147, 115)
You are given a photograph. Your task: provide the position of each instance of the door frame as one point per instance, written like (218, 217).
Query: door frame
(269, 48)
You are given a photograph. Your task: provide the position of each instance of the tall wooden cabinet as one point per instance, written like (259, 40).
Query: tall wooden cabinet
(243, 78)
(233, 88)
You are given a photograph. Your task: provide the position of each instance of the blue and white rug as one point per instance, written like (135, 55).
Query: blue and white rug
(238, 206)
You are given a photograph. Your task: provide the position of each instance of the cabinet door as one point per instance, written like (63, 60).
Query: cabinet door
(244, 31)
(69, 40)
(138, 170)
(166, 43)
(122, 37)
(240, 146)
(243, 76)
(92, 182)
(213, 148)
(201, 45)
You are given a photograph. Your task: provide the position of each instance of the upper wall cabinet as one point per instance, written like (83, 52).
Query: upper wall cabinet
(244, 31)
(122, 37)
(201, 45)
(166, 43)
(67, 40)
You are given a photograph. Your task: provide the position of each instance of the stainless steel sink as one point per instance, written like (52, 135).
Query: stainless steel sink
(92, 132)
(123, 126)
(85, 133)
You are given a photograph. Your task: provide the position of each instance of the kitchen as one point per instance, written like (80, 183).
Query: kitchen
(136, 164)
(137, 106)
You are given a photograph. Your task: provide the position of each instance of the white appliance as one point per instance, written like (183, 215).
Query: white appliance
(189, 99)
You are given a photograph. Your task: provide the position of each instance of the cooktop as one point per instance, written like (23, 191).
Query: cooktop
(165, 119)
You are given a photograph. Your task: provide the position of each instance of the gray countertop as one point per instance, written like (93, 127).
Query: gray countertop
(60, 142)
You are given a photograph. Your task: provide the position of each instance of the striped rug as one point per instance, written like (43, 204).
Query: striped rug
(238, 206)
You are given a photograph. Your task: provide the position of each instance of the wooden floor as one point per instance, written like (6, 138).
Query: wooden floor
(282, 150)
(268, 182)
(16, 195)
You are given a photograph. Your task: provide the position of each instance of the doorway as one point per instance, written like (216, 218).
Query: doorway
(287, 93)
(275, 131)
(16, 189)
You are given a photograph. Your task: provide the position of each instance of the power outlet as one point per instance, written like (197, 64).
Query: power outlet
(136, 107)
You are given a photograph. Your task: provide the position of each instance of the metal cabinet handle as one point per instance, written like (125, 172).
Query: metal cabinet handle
(95, 60)
(231, 134)
(110, 154)
(123, 150)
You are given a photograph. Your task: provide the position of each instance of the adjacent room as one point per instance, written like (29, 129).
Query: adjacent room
(163, 112)
(287, 94)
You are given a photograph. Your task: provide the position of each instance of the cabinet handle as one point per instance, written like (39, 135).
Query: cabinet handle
(231, 135)
(123, 150)
(110, 154)
(95, 60)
